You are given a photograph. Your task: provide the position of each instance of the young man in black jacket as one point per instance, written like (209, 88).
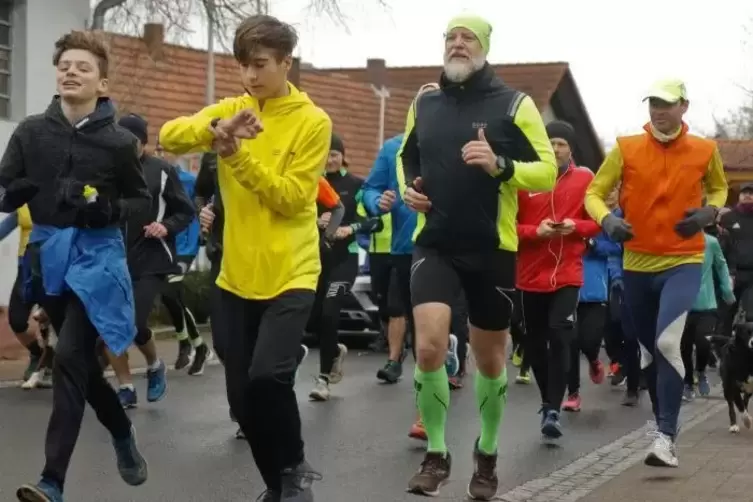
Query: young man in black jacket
(150, 243)
(89, 181)
(339, 269)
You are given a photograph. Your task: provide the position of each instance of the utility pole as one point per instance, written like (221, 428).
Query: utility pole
(210, 8)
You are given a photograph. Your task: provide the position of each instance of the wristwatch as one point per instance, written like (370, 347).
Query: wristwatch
(505, 168)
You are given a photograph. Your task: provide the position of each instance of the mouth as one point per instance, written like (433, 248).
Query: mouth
(68, 84)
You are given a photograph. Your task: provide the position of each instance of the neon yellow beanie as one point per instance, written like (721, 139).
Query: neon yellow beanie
(476, 25)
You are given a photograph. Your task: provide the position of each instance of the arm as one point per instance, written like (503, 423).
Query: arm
(715, 182)
(181, 208)
(12, 168)
(527, 232)
(541, 174)
(408, 156)
(605, 247)
(8, 225)
(134, 193)
(192, 134)
(586, 228)
(290, 192)
(722, 272)
(376, 183)
(335, 218)
(607, 177)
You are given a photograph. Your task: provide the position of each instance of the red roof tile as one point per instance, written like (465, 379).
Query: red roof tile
(736, 154)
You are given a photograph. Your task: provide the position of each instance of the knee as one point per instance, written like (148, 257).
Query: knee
(668, 346)
(143, 336)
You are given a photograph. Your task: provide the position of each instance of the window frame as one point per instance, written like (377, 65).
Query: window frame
(9, 50)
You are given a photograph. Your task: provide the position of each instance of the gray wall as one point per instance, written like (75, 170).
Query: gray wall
(37, 24)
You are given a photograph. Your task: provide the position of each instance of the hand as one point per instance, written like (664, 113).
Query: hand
(343, 232)
(416, 200)
(18, 193)
(155, 230)
(70, 194)
(323, 220)
(730, 300)
(616, 228)
(244, 124)
(101, 213)
(226, 147)
(545, 229)
(206, 217)
(695, 221)
(387, 200)
(479, 153)
(568, 227)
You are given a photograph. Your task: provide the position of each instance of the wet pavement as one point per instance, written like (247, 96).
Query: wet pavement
(358, 440)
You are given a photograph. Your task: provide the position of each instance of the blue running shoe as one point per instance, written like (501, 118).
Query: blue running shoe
(452, 361)
(550, 424)
(44, 491)
(704, 389)
(128, 398)
(156, 383)
(131, 464)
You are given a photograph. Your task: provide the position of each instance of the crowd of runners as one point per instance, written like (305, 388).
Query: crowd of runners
(478, 225)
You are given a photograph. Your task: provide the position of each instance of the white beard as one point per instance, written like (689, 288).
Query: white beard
(459, 70)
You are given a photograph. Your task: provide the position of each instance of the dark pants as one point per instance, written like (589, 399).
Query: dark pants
(146, 289)
(592, 318)
(335, 283)
(172, 299)
(77, 379)
(698, 325)
(216, 322)
(390, 280)
(550, 329)
(653, 303)
(459, 328)
(262, 340)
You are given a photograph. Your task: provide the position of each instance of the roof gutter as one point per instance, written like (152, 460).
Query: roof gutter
(98, 16)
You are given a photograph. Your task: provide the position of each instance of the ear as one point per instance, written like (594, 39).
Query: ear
(287, 62)
(104, 85)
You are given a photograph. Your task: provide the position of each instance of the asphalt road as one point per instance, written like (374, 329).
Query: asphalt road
(357, 440)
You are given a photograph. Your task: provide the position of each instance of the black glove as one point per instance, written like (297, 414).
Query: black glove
(616, 228)
(695, 221)
(369, 226)
(70, 194)
(99, 214)
(18, 193)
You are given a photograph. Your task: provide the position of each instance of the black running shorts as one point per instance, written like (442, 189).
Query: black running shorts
(486, 278)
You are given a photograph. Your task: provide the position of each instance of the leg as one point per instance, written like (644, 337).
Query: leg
(435, 285)
(459, 326)
(686, 348)
(562, 318)
(573, 379)
(78, 379)
(215, 320)
(331, 353)
(19, 312)
(679, 289)
(271, 405)
(706, 326)
(537, 339)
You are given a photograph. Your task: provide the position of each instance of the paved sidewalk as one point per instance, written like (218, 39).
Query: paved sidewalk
(714, 466)
(11, 371)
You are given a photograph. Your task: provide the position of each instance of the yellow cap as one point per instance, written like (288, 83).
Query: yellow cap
(669, 90)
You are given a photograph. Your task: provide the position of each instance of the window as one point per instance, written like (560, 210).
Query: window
(6, 12)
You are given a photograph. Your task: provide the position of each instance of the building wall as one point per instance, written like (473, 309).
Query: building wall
(34, 27)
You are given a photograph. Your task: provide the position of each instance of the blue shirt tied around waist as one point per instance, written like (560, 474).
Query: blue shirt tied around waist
(91, 263)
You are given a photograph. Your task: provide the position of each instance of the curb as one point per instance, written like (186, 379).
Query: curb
(584, 475)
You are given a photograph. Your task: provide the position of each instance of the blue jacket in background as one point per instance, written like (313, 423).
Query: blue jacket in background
(91, 263)
(614, 262)
(187, 242)
(595, 287)
(383, 176)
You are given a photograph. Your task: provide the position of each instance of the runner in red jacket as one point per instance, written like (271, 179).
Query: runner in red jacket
(553, 228)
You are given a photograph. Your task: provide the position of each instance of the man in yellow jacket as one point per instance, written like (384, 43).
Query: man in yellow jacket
(272, 143)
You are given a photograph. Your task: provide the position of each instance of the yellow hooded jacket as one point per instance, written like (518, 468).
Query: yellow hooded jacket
(269, 188)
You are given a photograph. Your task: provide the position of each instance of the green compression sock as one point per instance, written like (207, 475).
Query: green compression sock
(491, 396)
(433, 400)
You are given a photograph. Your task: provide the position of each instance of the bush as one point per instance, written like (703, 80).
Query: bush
(196, 288)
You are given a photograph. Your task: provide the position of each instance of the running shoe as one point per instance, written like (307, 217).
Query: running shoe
(156, 386)
(44, 491)
(451, 361)
(704, 389)
(41, 379)
(688, 393)
(296, 483)
(572, 403)
(202, 355)
(456, 382)
(517, 358)
(33, 366)
(523, 378)
(128, 398)
(417, 430)
(433, 473)
(616, 374)
(550, 424)
(484, 482)
(662, 451)
(320, 392)
(391, 372)
(631, 399)
(185, 355)
(336, 375)
(131, 464)
(596, 372)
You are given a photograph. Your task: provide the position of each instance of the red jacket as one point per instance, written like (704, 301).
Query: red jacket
(548, 264)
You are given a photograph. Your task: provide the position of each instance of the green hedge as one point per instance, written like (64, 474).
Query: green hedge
(196, 287)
